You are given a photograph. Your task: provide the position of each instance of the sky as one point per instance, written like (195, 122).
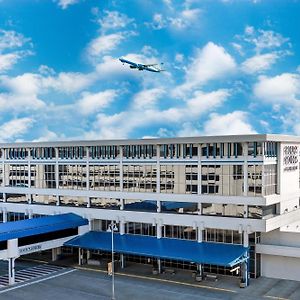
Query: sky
(231, 67)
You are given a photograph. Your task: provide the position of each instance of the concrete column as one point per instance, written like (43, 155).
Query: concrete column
(122, 261)
(79, 256)
(199, 208)
(6, 174)
(199, 171)
(121, 204)
(56, 169)
(245, 166)
(54, 254)
(158, 169)
(11, 271)
(122, 227)
(158, 205)
(199, 274)
(87, 169)
(199, 232)
(159, 265)
(121, 168)
(4, 213)
(246, 238)
(159, 229)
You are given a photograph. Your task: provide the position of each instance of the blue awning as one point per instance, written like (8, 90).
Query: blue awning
(29, 227)
(227, 255)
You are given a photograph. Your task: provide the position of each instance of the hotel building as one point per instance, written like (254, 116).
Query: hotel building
(241, 189)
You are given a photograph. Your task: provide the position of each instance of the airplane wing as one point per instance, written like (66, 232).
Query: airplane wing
(150, 65)
(122, 60)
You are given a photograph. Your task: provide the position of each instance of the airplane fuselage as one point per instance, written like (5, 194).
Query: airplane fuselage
(139, 67)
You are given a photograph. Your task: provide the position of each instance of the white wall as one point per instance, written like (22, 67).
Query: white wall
(288, 179)
(280, 267)
(277, 237)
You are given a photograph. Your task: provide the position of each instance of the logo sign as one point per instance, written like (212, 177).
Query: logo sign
(290, 158)
(30, 249)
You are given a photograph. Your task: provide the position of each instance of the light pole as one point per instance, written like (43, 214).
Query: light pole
(111, 228)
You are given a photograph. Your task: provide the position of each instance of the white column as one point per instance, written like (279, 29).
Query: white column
(87, 168)
(121, 204)
(11, 271)
(54, 254)
(245, 166)
(121, 168)
(79, 256)
(122, 226)
(4, 213)
(159, 229)
(246, 238)
(199, 171)
(56, 174)
(158, 169)
(158, 205)
(199, 233)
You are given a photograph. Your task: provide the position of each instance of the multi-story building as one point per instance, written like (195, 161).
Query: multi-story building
(227, 189)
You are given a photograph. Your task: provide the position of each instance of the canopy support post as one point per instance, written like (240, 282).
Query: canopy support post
(11, 271)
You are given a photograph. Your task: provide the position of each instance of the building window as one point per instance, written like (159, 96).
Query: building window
(139, 178)
(254, 180)
(270, 179)
(225, 180)
(224, 210)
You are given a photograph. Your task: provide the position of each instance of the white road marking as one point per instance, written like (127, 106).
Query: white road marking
(34, 282)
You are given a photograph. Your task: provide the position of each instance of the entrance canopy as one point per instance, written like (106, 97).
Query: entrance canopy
(227, 255)
(36, 226)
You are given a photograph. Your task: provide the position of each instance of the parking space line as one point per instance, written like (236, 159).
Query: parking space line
(35, 282)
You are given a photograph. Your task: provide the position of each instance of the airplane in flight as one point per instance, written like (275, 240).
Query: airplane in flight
(141, 67)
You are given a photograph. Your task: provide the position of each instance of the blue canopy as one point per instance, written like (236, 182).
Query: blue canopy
(29, 227)
(227, 255)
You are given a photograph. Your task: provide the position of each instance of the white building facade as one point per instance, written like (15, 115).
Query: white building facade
(227, 189)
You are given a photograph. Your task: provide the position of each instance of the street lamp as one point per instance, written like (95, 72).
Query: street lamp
(111, 228)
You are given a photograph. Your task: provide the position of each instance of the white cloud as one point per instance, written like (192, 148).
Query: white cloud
(45, 70)
(65, 3)
(189, 129)
(69, 82)
(122, 124)
(259, 62)
(238, 48)
(10, 39)
(104, 44)
(211, 62)
(179, 57)
(9, 56)
(7, 61)
(263, 39)
(184, 18)
(49, 135)
(231, 123)
(27, 83)
(280, 89)
(147, 99)
(15, 128)
(114, 20)
(93, 103)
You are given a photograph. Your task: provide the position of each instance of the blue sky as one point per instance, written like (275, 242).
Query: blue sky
(232, 67)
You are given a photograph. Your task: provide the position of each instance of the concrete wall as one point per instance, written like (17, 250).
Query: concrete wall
(280, 267)
(277, 237)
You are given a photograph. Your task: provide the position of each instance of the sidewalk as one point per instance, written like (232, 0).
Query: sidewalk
(259, 288)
